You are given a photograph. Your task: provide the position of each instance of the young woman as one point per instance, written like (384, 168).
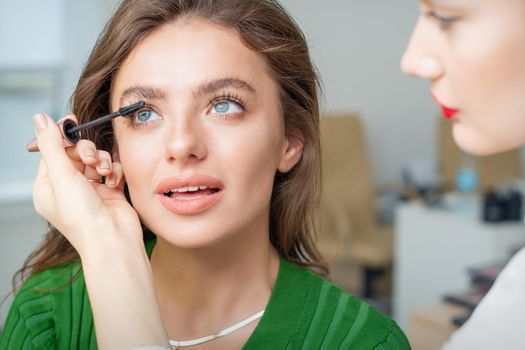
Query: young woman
(189, 220)
(473, 53)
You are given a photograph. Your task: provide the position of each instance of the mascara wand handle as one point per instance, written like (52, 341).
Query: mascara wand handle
(71, 130)
(68, 138)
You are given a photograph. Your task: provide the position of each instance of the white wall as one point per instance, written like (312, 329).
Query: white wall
(84, 22)
(29, 40)
(39, 23)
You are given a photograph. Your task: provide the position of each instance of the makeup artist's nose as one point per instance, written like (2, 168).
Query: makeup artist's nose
(421, 57)
(185, 142)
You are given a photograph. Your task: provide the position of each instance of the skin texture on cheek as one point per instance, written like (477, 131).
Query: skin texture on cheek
(486, 74)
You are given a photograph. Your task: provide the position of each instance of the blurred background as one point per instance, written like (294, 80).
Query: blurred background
(407, 221)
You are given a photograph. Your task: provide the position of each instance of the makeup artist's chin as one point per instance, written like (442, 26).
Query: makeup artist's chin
(479, 143)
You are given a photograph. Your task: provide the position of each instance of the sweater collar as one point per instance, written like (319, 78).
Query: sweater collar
(285, 309)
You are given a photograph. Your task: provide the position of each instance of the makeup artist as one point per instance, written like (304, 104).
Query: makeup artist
(188, 223)
(473, 53)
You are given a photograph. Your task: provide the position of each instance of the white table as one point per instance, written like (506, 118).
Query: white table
(433, 249)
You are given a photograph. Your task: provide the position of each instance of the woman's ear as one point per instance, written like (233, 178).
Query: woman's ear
(292, 151)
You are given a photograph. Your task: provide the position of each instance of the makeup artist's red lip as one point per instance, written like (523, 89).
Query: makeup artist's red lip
(210, 191)
(448, 112)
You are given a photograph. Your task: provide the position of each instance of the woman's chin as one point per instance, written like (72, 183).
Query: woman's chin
(188, 242)
(192, 240)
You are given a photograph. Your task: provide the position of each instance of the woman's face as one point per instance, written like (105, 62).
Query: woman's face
(473, 53)
(200, 159)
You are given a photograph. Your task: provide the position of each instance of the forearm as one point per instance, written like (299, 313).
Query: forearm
(122, 297)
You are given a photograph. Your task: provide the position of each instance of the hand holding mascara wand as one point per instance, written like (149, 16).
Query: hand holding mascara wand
(79, 190)
(71, 131)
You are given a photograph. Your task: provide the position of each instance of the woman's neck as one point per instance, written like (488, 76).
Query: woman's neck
(206, 289)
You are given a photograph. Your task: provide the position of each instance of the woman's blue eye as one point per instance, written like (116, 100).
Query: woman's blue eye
(144, 117)
(226, 107)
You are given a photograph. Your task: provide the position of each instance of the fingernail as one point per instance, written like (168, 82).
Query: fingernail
(40, 121)
(104, 164)
(89, 153)
(111, 180)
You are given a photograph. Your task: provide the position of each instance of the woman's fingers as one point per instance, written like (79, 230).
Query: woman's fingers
(41, 172)
(91, 173)
(104, 163)
(84, 152)
(59, 166)
(42, 192)
(61, 194)
(49, 138)
(114, 179)
(103, 167)
(92, 162)
(84, 156)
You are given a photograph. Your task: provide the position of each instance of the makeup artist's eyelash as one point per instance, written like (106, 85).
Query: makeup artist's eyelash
(445, 22)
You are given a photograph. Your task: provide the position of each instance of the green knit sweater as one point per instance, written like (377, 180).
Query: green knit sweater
(304, 312)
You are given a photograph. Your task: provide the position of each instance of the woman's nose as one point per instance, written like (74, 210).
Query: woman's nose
(185, 142)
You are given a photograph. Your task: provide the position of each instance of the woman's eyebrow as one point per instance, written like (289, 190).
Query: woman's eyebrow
(142, 92)
(206, 88)
(211, 86)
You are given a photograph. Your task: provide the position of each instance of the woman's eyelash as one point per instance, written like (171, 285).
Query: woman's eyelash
(132, 117)
(235, 106)
(227, 97)
(224, 97)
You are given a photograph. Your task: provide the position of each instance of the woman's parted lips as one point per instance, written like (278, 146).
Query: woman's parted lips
(197, 180)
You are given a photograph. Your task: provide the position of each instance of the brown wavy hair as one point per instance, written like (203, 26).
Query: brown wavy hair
(265, 27)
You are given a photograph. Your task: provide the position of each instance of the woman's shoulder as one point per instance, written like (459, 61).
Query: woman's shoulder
(333, 318)
(49, 283)
(51, 278)
(49, 302)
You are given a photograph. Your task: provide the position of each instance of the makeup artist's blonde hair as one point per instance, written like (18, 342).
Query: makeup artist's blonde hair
(263, 26)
